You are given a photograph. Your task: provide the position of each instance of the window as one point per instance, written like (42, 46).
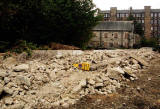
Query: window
(159, 14)
(151, 21)
(155, 22)
(118, 15)
(127, 15)
(142, 21)
(121, 15)
(155, 28)
(142, 14)
(151, 14)
(115, 35)
(106, 35)
(155, 14)
(152, 28)
(111, 44)
(126, 35)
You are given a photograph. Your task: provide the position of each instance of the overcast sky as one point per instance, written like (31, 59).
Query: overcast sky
(125, 4)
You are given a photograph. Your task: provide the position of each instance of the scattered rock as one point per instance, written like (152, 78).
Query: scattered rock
(21, 68)
(51, 79)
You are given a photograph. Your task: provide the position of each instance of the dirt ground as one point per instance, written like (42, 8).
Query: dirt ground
(143, 93)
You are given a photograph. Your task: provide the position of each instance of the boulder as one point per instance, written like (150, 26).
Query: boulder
(21, 68)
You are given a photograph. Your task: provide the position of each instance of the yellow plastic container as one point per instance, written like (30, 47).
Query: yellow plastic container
(83, 66)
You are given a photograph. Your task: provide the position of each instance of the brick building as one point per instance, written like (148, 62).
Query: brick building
(149, 18)
(114, 34)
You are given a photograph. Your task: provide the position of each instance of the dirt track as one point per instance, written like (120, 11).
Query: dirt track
(143, 93)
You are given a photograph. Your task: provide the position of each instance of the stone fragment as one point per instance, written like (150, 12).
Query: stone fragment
(56, 104)
(8, 90)
(118, 69)
(140, 60)
(99, 85)
(98, 80)
(8, 101)
(6, 80)
(128, 70)
(83, 83)
(3, 74)
(20, 68)
(23, 80)
(91, 81)
(65, 105)
(77, 88)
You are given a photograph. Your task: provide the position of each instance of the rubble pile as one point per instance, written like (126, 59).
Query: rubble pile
(52, 81)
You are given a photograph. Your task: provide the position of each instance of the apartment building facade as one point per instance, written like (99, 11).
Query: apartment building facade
(149, 18)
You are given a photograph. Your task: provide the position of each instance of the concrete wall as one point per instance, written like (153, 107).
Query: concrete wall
(112, 39)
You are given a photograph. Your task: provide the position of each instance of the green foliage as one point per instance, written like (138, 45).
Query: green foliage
(138, 29)
(23, 46)
(152, 42)
(44, 21)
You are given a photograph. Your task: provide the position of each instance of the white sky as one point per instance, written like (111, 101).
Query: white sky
(125, 4)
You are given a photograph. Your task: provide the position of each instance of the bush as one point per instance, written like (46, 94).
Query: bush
(152, 42)
(24, 46)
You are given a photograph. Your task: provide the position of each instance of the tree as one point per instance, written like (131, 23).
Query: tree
(138, 29)
(44, 21)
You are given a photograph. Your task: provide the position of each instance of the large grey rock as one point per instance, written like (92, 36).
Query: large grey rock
(20, 68)
(23, 80)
